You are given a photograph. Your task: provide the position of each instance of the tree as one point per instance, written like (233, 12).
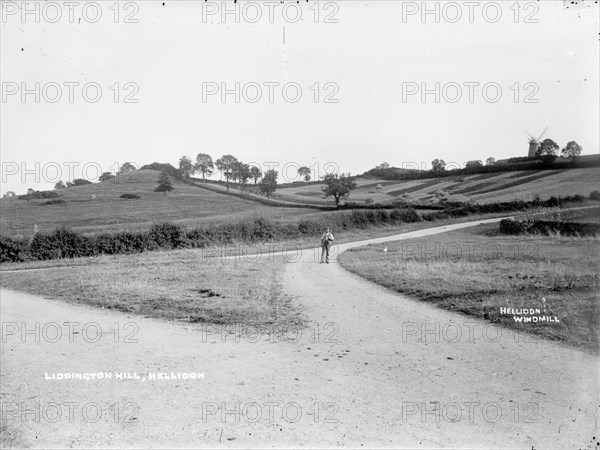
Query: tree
(268, 184)
(490, 161)
(572, 150)
(338, 186)
(128, 167)
(241, 173)
(438, 166)
(547, 150)
(106, 176)
(255, 173)
(226, 164)
(30, 191)
(80, 182)
(9, 194)
(548, 147)
(60, 185)
(186, 168)
(383, 165)
(235, 171)
(164, 183)
(204, 165)
(304, 172)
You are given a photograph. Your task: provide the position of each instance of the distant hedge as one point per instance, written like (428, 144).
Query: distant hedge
(56, 201)
(547, 227)
(513, 164)
(130, 196)
(38, 195)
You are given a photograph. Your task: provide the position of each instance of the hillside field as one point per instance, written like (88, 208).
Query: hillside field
(98, 207)
(482, 188)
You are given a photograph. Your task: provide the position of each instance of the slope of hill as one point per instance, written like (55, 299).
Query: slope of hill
(482, 188)
(98, 207)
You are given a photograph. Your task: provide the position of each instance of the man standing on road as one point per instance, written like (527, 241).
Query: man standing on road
(326, 241)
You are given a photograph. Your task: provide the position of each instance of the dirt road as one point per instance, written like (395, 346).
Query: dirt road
(375, 369)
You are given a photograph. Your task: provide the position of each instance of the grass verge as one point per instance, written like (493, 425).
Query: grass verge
(170, 285)
(477, 271)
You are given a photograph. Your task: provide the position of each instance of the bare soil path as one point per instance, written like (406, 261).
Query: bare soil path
(375, 369)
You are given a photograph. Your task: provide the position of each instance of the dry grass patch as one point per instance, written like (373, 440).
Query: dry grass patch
(178, 285)
(478, 271)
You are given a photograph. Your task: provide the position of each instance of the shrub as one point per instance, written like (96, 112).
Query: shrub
(437, 215)
(359, 218)
(61, 243)
(382, 215)
(122, 242)
(407, 215)
(577, 198)
(513, 227)
(80, 182)
(595, 195)
(133, 242)
(262, 229)
(39, 195)
(547, 227)
(130, 196)
(12, 250)
(369, 201)
(309, 227)
(57, 201)
(167, 235)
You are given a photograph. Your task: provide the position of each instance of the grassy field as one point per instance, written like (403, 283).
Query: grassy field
(478, 271)
(97, 208)
(177, 285)
(483, 188)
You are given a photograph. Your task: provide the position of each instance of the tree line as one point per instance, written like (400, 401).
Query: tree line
(337, 186)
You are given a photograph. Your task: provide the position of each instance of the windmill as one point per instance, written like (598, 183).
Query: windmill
(534, 143)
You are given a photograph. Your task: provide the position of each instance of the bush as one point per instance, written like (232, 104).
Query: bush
(514, 227)
(80, 182)
(369, 201)
(130, 196)
(39, 195)
(406, 215)
(54, 202)
(12, 250)
(547, 227)
(309, 227)
(595, 195)
(438, 215)
(123, 242)
(167, 235)
(61, 243)
(262, 229)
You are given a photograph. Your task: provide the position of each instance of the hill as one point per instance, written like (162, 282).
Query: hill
(480, 188)
(98, 207)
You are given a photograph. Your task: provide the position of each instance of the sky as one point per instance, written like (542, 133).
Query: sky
(330, 85)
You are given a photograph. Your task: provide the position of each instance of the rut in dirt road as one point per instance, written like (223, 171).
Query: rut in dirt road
(374, 369)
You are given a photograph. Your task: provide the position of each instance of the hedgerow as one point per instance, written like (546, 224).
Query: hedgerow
(548, 227)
